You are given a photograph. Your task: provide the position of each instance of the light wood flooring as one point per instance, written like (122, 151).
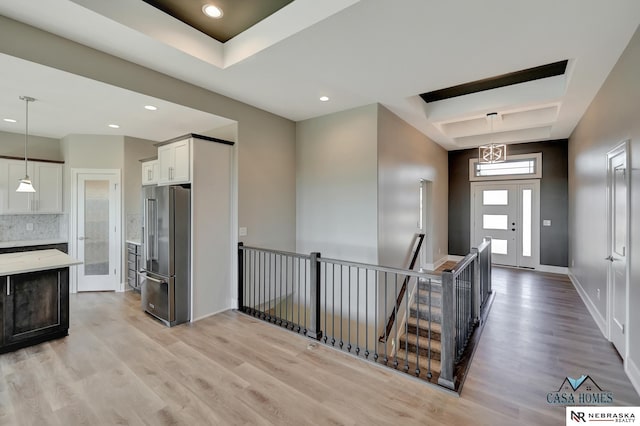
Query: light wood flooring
(119, 366)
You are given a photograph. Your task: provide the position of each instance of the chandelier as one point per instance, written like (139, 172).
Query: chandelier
(492, 153)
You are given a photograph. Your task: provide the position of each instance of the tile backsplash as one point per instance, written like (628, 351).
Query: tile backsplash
(134, 227)
(30, 227)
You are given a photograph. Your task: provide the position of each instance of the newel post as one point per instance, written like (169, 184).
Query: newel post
(240, 276)
(476, 283)
(314, 331)
(448, 354)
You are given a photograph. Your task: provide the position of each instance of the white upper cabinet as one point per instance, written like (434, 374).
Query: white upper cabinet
(48, 184)
(174, 163)
(46, 179)
(150, 172)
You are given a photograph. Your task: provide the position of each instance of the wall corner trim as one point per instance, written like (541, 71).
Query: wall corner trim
(591, 307)
(633, 372)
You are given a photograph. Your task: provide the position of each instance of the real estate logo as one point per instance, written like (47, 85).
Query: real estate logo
(581, 391)
(580, 415)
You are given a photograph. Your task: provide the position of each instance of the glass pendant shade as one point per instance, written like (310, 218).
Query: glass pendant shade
(24, 184)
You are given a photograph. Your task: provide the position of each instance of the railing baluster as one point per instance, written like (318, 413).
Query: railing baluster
(314, 275)
(430, 325)
(349, 314)
(386, 334)
(326, 290)
(406, 340)
(333, 304)
(375, 319)
(341, 303)
(366, 313)
(357, 311)
(395, 313)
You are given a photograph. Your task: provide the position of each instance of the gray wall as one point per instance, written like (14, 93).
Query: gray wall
(611, 118)
(553, 199)
(404, 157)
(134, 150)
(266, 142)
(337, 185)
(12, 144)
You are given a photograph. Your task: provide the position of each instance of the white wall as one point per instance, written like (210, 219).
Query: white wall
(404, 157)
(336, 185)
(611, 119)
(12, 144)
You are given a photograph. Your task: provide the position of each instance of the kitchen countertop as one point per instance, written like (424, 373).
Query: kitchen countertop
(37, 260)
(26, 243)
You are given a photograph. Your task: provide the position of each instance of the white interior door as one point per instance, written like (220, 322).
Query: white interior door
(618, 247)
(98, 231)
(508, 212)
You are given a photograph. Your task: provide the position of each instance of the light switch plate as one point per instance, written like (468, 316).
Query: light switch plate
(242, 232)
(546, 222)
(29, 226)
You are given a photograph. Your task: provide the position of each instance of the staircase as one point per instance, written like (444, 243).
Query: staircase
(422, 323)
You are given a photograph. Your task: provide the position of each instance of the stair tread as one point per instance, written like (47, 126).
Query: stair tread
(413, 361)
(423, 342)
(425, 308)
(424, 324)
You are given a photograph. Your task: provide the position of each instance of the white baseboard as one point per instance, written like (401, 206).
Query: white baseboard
(455, 258)
(553, 269)
(633, 372)
(591, 307)
(438, 263)
(209, 315)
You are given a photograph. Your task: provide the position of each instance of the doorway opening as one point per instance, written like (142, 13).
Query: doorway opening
(425, 225)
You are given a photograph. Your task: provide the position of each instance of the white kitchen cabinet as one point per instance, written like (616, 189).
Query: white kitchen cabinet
(46, 179)
(174, 163)
(150, 172)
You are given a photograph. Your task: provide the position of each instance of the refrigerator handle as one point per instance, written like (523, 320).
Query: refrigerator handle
(145, 230)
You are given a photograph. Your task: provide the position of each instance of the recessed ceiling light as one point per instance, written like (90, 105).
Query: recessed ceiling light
(114, 126)
(10, 120)
(212, 11)
(324, 98)
(150, 107)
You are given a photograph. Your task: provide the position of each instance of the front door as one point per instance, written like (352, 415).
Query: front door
(98, 231)
(507, 211)
(618, 246)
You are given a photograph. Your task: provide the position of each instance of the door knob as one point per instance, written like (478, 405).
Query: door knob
(610, 258)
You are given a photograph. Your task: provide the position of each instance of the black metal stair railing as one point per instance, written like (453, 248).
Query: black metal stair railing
(346, 305)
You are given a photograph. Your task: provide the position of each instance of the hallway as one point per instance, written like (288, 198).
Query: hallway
(118, 366)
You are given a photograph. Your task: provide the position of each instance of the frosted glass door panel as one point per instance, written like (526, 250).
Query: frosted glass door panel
(499, 246)
(497, 197)
(96, 227)
(527, 210)
(495, 221)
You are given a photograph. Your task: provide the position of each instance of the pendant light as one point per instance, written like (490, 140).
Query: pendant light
(25, 184)
(492, 153)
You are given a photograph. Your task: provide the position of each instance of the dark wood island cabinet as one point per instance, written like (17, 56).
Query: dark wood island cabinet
(34, 303)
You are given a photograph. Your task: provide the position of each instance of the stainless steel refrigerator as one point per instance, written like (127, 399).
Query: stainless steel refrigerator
(165, 277)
